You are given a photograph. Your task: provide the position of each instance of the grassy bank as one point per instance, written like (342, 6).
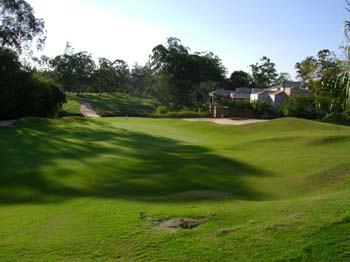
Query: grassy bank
(95, 190)
(116, 104)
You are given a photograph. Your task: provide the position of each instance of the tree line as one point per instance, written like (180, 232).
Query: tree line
(174, 75)
(178, 78)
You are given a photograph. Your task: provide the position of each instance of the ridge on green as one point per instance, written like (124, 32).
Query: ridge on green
(78, 189)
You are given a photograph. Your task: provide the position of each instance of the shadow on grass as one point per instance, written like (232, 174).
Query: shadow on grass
(51, 163)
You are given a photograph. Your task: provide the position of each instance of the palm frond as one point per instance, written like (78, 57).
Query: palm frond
(346, 62)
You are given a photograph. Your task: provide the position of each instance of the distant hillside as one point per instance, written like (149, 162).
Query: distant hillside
(115, 104)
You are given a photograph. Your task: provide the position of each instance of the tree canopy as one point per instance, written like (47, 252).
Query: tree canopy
(240, 79)
(264, 73)
(18, 26)
(180, 73)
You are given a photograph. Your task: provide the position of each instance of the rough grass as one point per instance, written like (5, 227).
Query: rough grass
(83, 190)
(116, 104)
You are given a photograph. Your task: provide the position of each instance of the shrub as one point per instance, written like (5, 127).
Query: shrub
(240, 105)
(52, 97)
(337, 118)
(246, 108)
(22, 94)
(162, 110)
(182, 114)
(300, 106)
(263, 110)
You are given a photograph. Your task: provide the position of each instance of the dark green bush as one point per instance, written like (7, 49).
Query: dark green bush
(263, 110)
(246, 108)
(337, 118)
(22, 94)
(240, 105)
(300, 106)
(182, 114)
(162, 110)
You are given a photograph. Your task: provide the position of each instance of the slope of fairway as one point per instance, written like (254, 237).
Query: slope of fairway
(96, 190)
(115, 104)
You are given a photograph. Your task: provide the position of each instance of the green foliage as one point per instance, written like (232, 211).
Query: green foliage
(180, 74)
(52, 97)
(19, 26)
(307, 69)
(300, 106)
(338, 118)
(240, 79)
(283, 77)
(325, 76)
(141, 81)
(264, 73)
(74, 71)
(162, 110)
(180, 114)
(22, 94)
(239, 104)
(263, 110)
(110, 76)
(246, 108)
(345, 80)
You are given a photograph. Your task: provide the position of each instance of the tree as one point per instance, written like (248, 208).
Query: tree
(264, 74)
(307, 69)
(122, 71)
(179, 73)
(23, 94)
(240, 79)
(321, 74)
(111, 76)
(346, 64)
(18, 26)
(284, 76)
(324, 67)
(141, 80)
(74, 71)
(300, 106)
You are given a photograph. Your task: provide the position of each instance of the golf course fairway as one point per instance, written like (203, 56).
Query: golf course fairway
(76, 189)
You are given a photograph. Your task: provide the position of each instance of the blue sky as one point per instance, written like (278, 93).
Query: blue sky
(240, 32)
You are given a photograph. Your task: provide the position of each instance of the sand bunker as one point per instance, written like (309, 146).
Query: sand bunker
(227, 121)
(7, 122)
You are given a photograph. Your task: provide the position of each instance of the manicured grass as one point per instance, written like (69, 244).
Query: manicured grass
(89, 190)
(116, 104)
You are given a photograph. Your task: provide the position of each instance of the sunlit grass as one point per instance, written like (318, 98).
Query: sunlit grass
(79, 190)
(115, 104)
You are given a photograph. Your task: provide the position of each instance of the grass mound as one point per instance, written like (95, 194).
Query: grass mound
(116, 104)
(74, 189)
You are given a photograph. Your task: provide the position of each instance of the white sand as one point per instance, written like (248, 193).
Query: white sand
(227, 121)
(7, 122)
(87, 111)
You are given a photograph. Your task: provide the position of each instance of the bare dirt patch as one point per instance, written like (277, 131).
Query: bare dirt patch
(227, 121)
(224, 231)
(293, 217)
(286, 221)
(275, 226)
(174, 224)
